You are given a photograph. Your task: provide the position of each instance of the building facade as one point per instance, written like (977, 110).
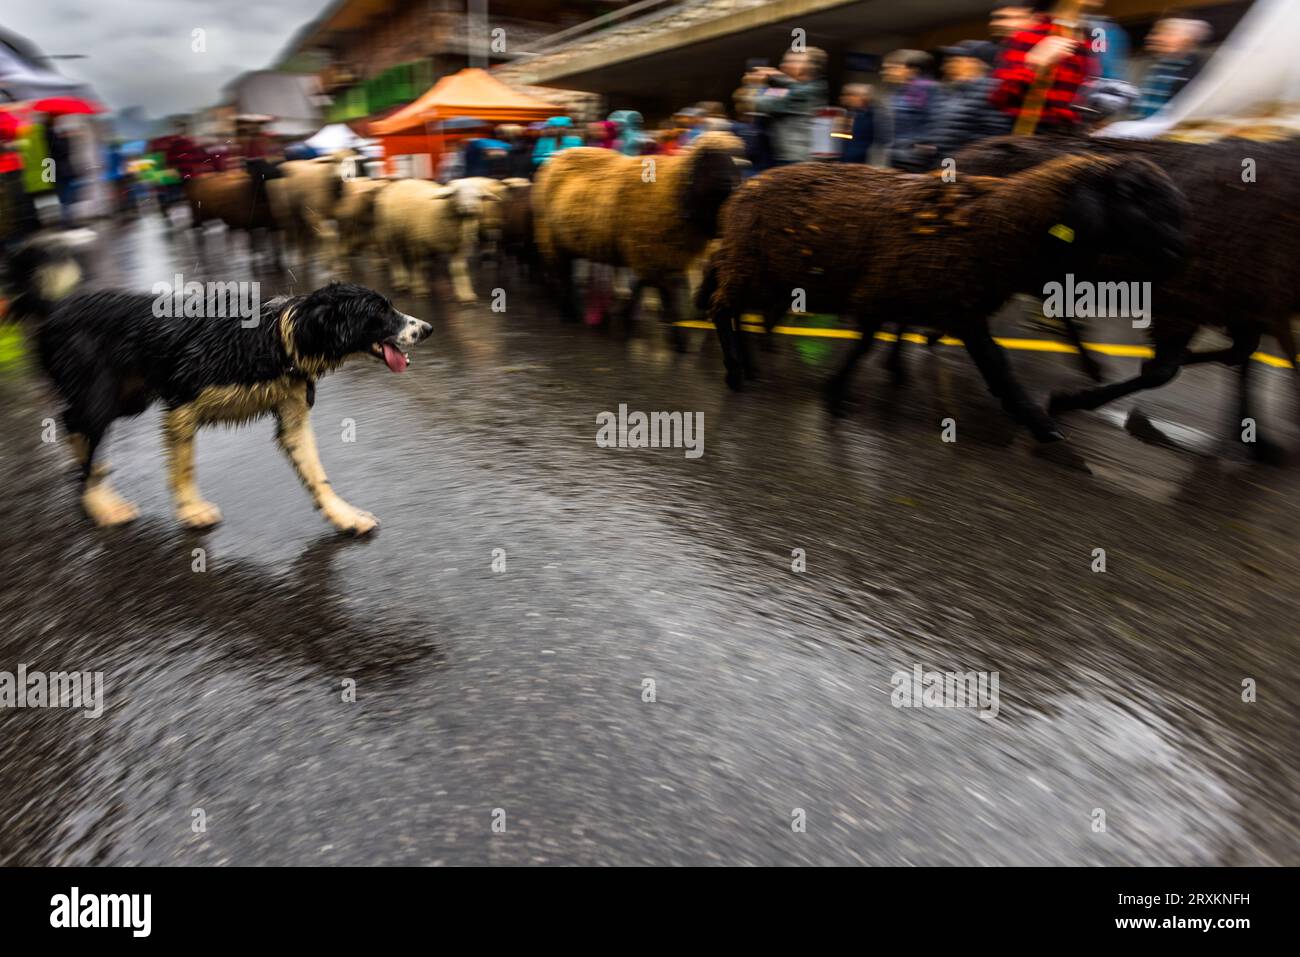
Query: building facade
(662, 56)
(373, 56)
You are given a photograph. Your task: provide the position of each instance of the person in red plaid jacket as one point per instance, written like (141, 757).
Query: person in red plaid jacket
(1068, 60)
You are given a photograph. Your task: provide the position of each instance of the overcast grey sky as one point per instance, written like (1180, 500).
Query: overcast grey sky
(139, 51)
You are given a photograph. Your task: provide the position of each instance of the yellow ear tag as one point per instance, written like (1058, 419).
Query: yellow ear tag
(1062, 232)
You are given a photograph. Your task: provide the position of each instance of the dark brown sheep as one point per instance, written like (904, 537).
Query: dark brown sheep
(233, 197)
(881, 245)
(236, 199)
(1242, 239)
(517, 240)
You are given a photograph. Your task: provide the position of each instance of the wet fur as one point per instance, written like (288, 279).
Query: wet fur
(597, 205)
(880, 245)
(110, 357)
(240, 201)
(303, 200)
(1239, 276)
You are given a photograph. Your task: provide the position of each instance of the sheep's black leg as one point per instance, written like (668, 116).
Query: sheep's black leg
(566, 290)
(724, 321)
(672, 293)
(1285, 337)
(1230, 356)
(1245, 340)
(1261, 449)
(745, 347)
(838, 384)
(1156, 371)
(1089, 365)
(896, 364)
(992, 363)
(772, 317)
(633, 301)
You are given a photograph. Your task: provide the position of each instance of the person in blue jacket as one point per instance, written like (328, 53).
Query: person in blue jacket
(557, 135)
(630, 140)
(856, 100)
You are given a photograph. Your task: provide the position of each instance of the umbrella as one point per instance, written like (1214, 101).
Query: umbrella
(464, 123)
(63, 105)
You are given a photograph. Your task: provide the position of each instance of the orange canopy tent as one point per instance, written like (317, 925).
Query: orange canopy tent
(469, 93)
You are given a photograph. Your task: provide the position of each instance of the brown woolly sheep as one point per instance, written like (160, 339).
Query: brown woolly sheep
(1242, 238)
(653, 214)
(236, 199)
(881, 245)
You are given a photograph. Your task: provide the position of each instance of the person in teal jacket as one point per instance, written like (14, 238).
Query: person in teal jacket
(557, 135)
(630, 139)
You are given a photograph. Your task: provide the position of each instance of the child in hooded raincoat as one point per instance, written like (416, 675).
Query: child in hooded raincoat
(556, 135)
(630, 140)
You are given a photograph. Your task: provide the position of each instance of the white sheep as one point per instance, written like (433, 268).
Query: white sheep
(354, 216)
(303, 200)
(417, 221)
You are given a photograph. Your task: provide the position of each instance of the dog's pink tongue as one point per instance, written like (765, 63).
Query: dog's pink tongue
(393, 356)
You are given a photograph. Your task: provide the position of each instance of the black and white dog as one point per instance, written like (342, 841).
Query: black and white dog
(110, 354)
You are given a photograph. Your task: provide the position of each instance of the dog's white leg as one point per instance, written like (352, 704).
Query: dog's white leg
(299, 443)
(104, 506)
(192, 510)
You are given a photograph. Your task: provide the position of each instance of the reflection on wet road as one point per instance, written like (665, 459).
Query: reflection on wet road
(522, 689)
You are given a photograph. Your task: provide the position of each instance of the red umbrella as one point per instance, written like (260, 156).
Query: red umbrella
(63, 105)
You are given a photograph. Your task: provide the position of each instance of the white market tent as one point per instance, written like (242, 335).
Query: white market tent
(291, 99)
(1250, 87)
(336, 136)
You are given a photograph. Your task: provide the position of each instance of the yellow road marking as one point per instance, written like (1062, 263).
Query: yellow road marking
(1020, 345)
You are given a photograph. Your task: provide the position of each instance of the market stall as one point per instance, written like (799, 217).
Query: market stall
(420, 128)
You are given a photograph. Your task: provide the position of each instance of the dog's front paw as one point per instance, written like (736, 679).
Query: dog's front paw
(106, 508)
(351, 520)
(198, 514)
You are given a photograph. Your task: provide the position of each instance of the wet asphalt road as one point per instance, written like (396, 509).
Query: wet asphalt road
(522, 690)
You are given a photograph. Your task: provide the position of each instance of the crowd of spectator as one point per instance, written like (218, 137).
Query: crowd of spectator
(1036, 71)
